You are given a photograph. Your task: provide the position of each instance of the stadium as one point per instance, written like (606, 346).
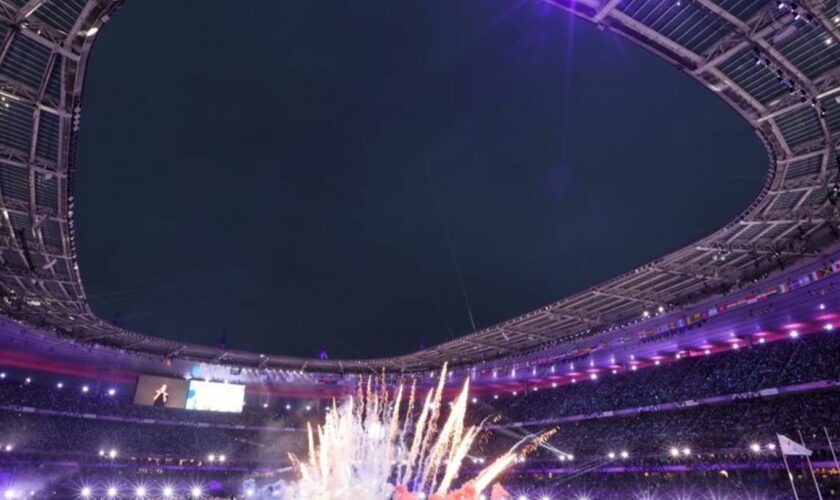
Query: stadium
(710, 372)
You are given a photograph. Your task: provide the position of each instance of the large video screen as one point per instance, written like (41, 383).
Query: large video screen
(213, 396)
(164, 392)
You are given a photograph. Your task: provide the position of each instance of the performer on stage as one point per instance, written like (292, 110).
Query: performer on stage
(161, 396)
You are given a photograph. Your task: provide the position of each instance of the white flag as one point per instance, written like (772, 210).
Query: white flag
(791, 447)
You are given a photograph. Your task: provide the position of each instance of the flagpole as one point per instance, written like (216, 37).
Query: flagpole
(808, 460)
(831, 447)
(790, 476)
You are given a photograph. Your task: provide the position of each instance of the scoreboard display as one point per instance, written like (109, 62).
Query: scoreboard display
(215, 396)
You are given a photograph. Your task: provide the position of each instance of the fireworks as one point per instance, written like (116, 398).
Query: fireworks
(368, 449)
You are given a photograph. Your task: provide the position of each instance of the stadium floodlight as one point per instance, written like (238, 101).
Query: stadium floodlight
(168, 491)
(112, 492)
(675, 452)
(755, 447)
(624, 454)
(196, 492)
(85, 492)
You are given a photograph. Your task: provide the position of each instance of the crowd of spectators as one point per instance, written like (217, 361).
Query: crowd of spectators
(787, 362)
(92, 423)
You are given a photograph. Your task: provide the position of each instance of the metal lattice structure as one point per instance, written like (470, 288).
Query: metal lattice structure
(776, 63)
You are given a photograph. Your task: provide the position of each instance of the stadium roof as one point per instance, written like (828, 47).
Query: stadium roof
(776, 63)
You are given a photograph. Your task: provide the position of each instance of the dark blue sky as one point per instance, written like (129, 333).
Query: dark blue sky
(303, 174)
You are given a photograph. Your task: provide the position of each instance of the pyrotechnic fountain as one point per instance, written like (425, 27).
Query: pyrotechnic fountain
(375, 446)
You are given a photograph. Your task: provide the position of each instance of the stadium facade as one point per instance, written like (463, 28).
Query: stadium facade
(776, 63)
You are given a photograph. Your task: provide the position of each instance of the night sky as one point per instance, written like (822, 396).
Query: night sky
(353, 174)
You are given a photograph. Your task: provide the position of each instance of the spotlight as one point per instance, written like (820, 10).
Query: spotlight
(28, 380)
(686, 451)
(168, 491)
(675, 452)
(101, 453)
(624, 454)
(222, 458)
(755, 447)
(611, 455)
(196, 492)
(112, 492)
(828, 327)
(211, 458)
(60, 385)
(265, 405)
(249, 492)
(794, 334)
(761, 340)
(112, 453)
(140, 492)
(3, 375)
(9, 447)
(85, 492)
(112, 391)
(593, 376)
(288, 407)
(85, 388)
